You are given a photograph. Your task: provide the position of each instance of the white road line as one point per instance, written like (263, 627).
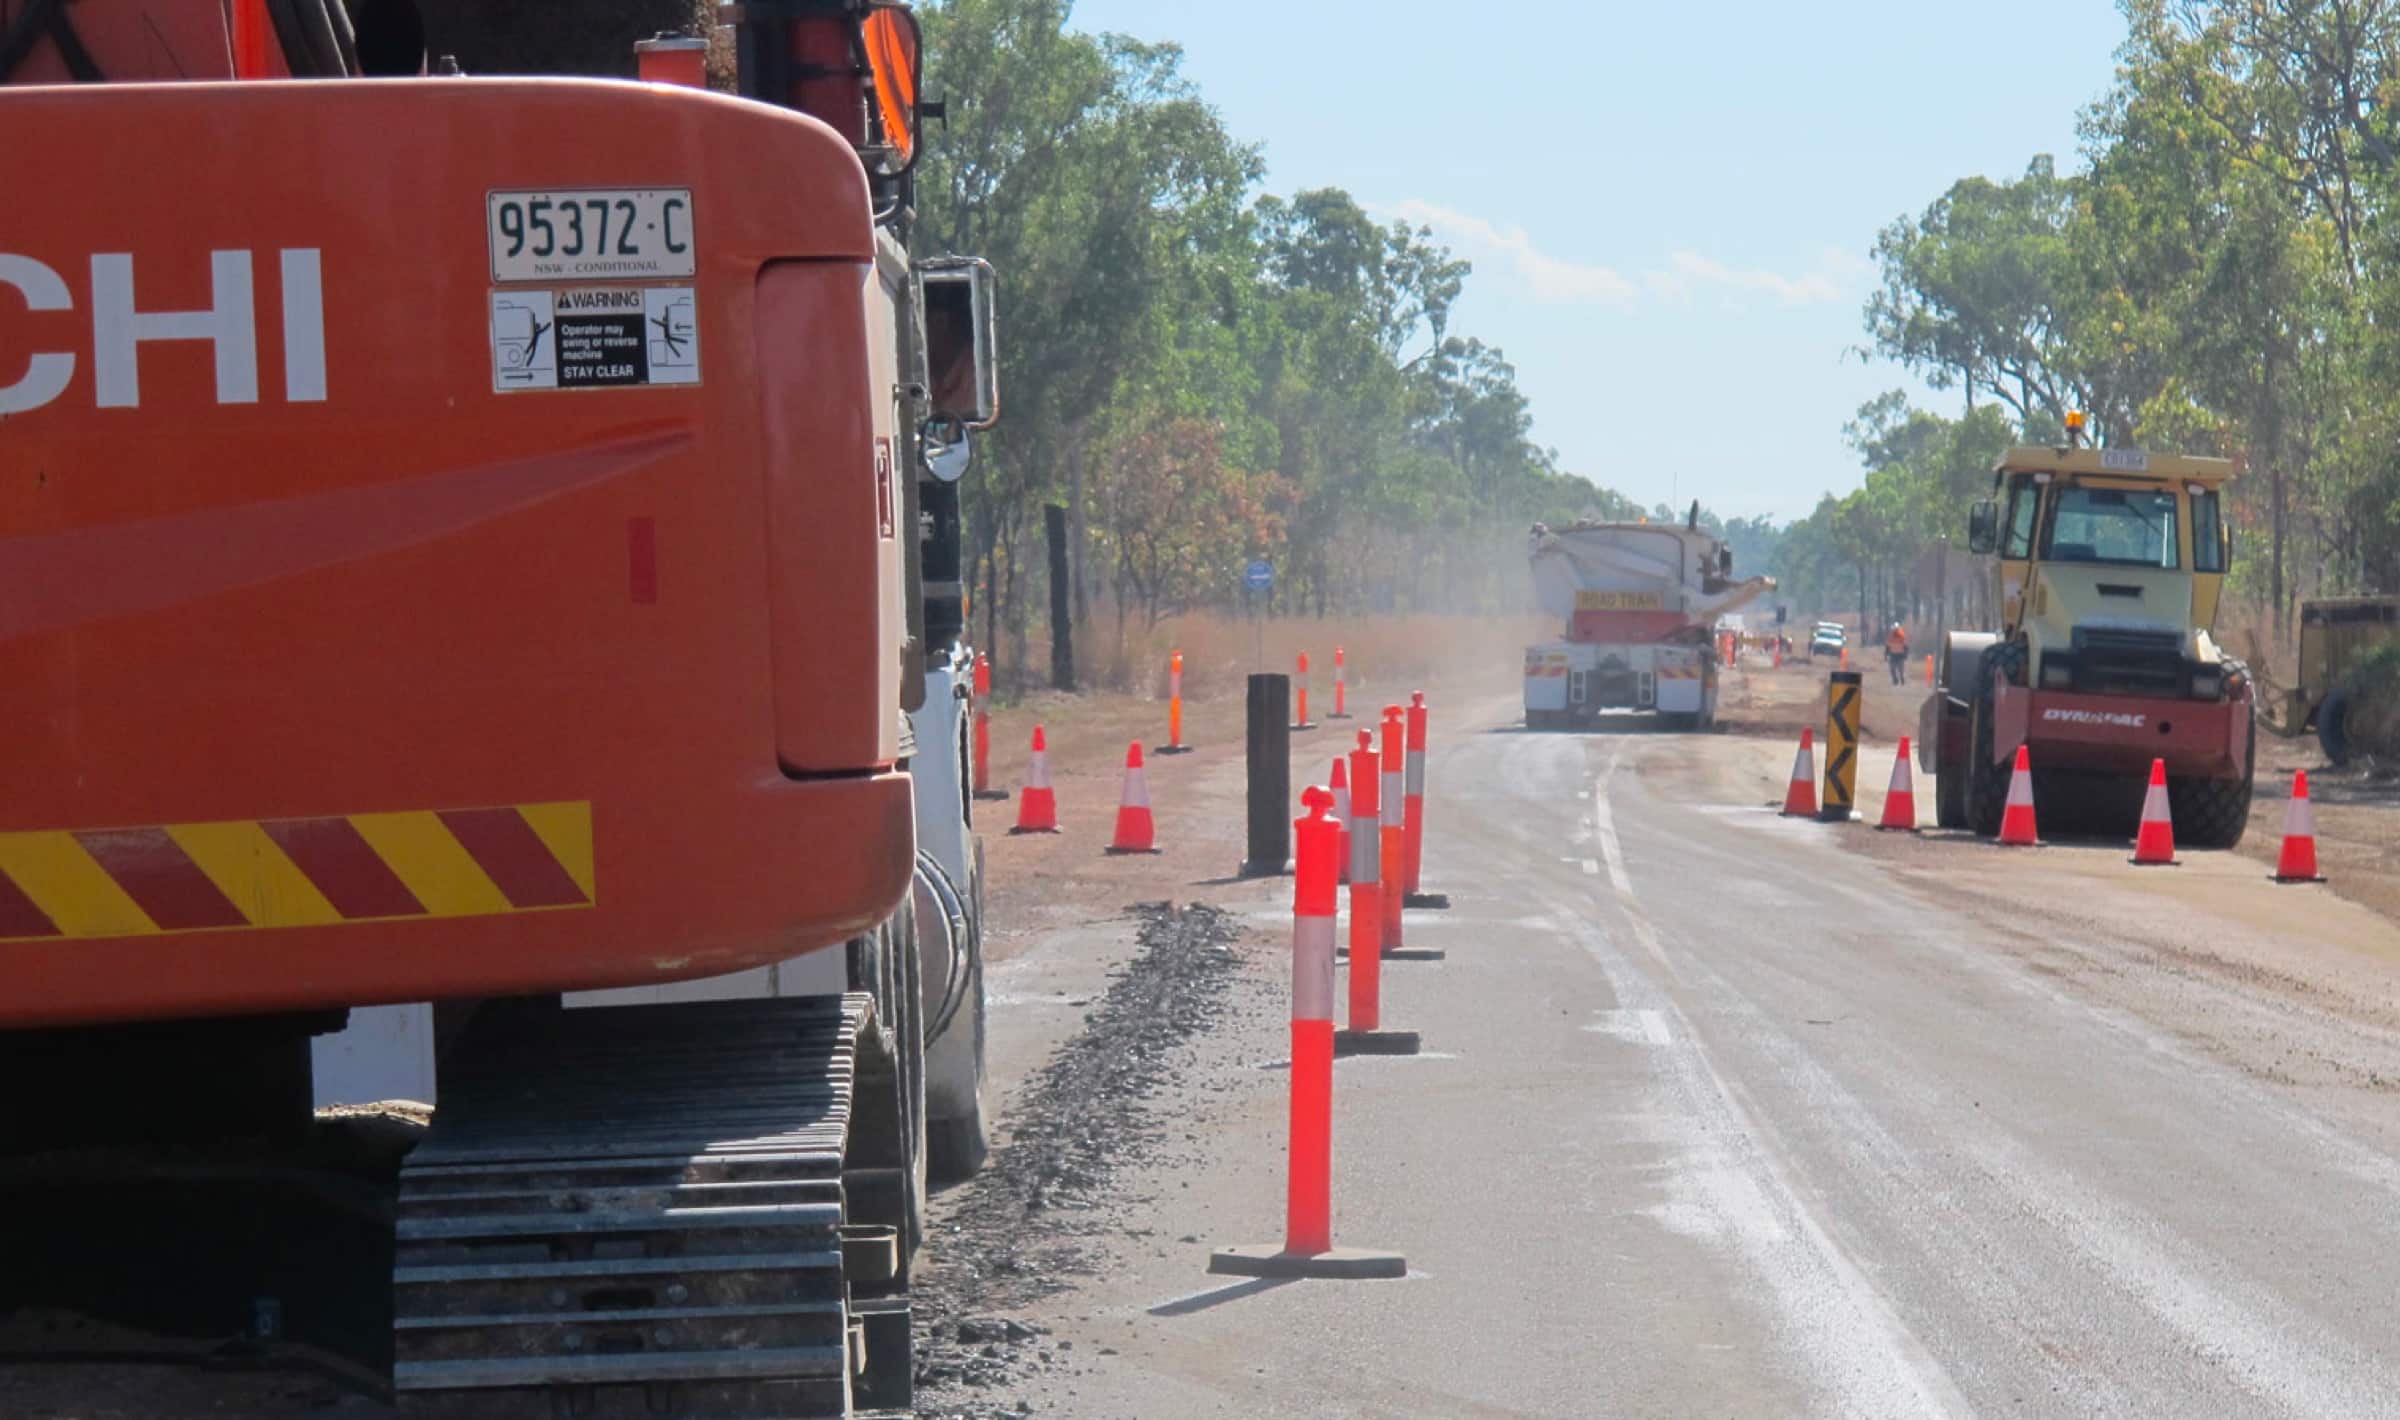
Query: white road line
(1592, 866)
(1606, 825)
(1640, 1027)
(1755, 1192)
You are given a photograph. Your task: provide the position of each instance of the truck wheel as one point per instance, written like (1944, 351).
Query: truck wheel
(907, 993)
(1987, 782)
(958, 1143)
(884, 964)
(2214, 813)
(2333, 725)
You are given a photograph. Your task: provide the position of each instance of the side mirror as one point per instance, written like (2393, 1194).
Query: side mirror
(1983, 527)
(962, 374)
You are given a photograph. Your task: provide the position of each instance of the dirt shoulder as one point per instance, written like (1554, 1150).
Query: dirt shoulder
(2357, 809)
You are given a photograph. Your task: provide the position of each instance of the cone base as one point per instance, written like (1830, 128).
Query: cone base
(1438, 901)
(1305, 725)
(2280, 878)
(1115, 852)
(1341, 715)
(991, 796)
(1172, 749)
(1376, 1042)
(2141, 862)
(1895, 828)
(1335, 1264)
(1016, 832)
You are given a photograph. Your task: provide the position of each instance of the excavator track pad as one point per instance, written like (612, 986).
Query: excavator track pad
(656, 1211)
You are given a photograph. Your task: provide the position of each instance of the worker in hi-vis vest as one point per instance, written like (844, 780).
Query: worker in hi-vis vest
(1895, 650)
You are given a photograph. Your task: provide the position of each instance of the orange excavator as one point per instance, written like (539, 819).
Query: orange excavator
(464, 541)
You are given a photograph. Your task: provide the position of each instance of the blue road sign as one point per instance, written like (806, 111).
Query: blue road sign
(1258, 576)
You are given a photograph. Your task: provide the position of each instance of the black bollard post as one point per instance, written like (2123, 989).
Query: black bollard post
(1270, 763)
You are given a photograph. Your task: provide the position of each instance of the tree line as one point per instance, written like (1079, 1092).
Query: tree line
(2221, 278)
(1201, 373)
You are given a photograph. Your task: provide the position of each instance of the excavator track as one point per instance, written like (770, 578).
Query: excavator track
(674, 1210)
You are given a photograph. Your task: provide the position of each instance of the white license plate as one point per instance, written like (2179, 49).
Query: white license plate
(591, 234)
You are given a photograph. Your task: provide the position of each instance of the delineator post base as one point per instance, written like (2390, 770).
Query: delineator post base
(1334, 1264)
(1376, 1042)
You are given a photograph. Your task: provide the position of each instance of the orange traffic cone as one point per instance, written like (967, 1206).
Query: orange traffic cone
(2297, 863)
(1037, 807)
(1135, 832)
(1900, 801)
(2154, 841)
(2016, 820)
(1800, 800)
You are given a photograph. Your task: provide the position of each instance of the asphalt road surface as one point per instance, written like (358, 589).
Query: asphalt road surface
(1725, 1114)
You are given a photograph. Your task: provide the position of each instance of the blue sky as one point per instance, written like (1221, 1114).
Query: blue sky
(1670, 208)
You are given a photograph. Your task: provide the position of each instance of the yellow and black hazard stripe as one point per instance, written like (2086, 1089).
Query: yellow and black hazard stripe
(295, 872)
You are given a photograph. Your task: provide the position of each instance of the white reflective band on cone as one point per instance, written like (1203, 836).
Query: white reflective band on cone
(1341, 805)
(1312, 968)
(1395, 813)
(2300, 818)
(1037, 775)
(1366, 851)
(1416, 773)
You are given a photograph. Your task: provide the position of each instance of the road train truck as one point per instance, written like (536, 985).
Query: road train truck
(494, 543)
(2107, 566)
(1639, 600)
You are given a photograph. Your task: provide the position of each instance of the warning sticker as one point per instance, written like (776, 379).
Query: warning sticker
(595, 338)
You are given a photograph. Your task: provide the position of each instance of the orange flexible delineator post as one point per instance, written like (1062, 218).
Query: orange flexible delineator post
(1393, 819)
(2016, 820)
(1175, 744)
(1308, 1249)
(1037, 807)
(1366, 1035)
(1800, 799)
(982, 782)
(1300, 720)
(1414, 816)
(2154, 841)
(1366, 886)
(1135, 831)
(1929, 670)
(2296, 860)
(1900, 801)
(1341, 687)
